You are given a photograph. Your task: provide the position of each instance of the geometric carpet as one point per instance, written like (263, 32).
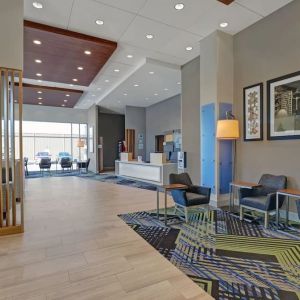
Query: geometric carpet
(230, 259)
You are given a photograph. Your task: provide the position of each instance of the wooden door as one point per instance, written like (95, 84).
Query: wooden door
(159, 143)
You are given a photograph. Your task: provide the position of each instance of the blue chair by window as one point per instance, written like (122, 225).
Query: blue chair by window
(193, 196)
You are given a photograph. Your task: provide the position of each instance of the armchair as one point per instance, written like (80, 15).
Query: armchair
(193, 196)
(83, 165)
(263, 198)
(66, 163)
(45, 164)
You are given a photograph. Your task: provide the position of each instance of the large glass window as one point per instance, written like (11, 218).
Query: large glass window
(54, 139)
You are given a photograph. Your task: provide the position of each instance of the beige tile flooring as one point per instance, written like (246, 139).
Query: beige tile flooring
(75, 247)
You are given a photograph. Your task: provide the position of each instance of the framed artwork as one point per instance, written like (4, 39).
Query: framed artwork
(284, 107)
(91, 139)
(253, 112)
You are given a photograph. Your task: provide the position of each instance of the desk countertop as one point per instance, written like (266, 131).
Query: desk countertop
(134, 162)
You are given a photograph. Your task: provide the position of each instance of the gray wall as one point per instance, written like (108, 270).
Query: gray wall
(161, 117)
(190, 114)
(135, 118)
(112, 128)
(266, 50)
(11, 34)
(54, 114)
(93, 121)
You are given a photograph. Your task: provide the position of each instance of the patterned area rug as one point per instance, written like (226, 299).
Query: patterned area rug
(228, 258)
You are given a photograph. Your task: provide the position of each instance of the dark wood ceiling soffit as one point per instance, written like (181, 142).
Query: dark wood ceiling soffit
(50, 96)
(227, 2)
(62, 52)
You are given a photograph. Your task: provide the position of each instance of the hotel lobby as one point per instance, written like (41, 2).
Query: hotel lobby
(149, 149)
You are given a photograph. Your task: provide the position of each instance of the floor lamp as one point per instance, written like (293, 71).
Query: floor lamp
(80, 144)
(229, 130)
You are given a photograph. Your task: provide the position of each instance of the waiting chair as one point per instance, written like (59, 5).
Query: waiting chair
(83, 165)
(263, 198)
(194, 195)
(66, 163)
(45, 164)
(26, 166)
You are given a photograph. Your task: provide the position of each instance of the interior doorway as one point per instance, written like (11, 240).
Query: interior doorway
(159, 143)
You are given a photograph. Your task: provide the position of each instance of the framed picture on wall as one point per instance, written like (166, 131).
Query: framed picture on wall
(284, 107)
(253, 112)
(91, 139)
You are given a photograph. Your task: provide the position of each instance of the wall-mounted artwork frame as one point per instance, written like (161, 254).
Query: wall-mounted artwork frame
(284, 107)
(253, 112)
(91, 139)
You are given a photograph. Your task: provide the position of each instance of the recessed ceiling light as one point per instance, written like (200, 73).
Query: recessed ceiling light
(178, 82)
(16, 101)
(40, 103)
(39, 74)
(146, 98)
(66, 100)
(151, 72)
(38, 61)
(116, 70)
(119, 101)
(87, 52)
(99, 88)
(37, 4)
(37, 42)
(179, 6)
(63, 105)
(125, 94)
(155, 94)
(106, 80)
(166, 89)
(40, 92)
(40, 98)
(136, 85)
(223, 24)
(149, 36)
(99, 22)
(80, 68)
(75, 79)
(67, 95)
(189, 48)
(129, 56)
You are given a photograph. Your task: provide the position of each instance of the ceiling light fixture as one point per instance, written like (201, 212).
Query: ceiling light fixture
(224, 24)
(151, 72)
(38, 61)
(40, 98)
(149, 36)
(67, 95)
(99, 88)
(129, 56)
(178, 82)
(125, 94)
(179, 6)
(189, 48)
(75, 79)
(136, 85)
(106, 80)
(39, 92)
(63, 105)
(99, 22)
(87, 52)
(40, 103)
(37, 5)
(116, 70)
(166, 89)
(80, 68)
(39, 74)
(155, 94)
(66, 100)
(37, 42)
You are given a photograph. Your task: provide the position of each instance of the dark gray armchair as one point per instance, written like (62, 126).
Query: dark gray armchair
(263, 198)
(194, 195)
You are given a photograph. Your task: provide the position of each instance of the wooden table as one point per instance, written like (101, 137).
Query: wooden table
(239, 184)
(166, 188)
(287, 193)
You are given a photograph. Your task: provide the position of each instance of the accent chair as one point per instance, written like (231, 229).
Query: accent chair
(263, 198)
(83, 165)
(66, 163)
(193, 196)
(45, 164)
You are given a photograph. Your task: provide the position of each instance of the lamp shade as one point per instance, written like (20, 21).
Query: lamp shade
(228, 130)
(80, 143)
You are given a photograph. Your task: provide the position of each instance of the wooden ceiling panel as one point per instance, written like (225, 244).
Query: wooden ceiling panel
(62, 52)
(227, 2)
(50, 96)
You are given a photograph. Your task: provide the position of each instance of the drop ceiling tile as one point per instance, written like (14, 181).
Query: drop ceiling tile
(236, 15)
(86, 12)
(54, 12)
(128, 5)
(263, 7)
(165, 12)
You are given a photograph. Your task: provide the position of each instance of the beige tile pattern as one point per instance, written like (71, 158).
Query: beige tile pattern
(76, 247)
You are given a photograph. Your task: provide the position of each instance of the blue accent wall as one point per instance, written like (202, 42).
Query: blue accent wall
(225, 155)
(208, 145)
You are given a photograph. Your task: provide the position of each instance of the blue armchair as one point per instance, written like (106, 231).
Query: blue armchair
(263, 198)
(194, 195)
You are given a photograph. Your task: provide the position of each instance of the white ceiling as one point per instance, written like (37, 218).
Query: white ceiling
(128, 21)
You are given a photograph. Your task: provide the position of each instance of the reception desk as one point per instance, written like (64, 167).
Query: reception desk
(148, 172)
